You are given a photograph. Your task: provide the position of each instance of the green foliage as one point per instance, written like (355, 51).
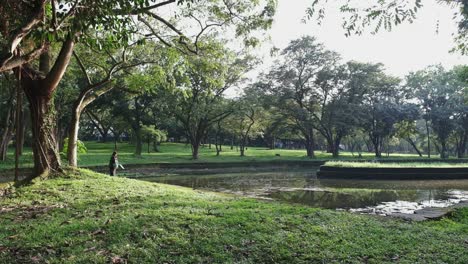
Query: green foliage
(80, 146)
(386, 14)
(152, 133)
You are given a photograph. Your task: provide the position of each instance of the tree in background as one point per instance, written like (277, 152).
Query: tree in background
(7, 113)
(381, 107)
(153, 135)
(245, 121)
(294, 80)
(439, 93)
(201, 83)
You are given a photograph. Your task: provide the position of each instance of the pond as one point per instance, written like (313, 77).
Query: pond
(303, 187)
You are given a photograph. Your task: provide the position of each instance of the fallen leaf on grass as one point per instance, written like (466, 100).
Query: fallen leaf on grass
(36, 259)
(99, 232)
(66, 222)
(118, 260)
(103, 252)
(90, 249)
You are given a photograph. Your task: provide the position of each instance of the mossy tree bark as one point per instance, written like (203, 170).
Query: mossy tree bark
(39, 87)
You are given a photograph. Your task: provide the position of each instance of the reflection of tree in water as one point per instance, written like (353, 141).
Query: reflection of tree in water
(338, 199)
(237, 181)
(326, 193)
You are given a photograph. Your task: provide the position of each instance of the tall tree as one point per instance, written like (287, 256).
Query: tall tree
(381, 108)
(201, 85)
(439, 92)
(295, 77)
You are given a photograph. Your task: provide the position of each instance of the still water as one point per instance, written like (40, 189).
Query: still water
(303, 187)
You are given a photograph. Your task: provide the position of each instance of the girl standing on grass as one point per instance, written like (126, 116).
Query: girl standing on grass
(113, 164)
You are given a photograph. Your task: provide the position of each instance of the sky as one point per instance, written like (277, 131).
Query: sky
(408, 47)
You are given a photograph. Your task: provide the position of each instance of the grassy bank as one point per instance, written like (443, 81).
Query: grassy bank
(91, 218)
(344, 164)
(99, 154)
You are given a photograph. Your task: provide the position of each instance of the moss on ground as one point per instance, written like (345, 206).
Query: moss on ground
(91, 218)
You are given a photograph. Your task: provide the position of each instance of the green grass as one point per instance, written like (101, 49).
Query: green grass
(99, 154)
(344, 164)
(92, 218)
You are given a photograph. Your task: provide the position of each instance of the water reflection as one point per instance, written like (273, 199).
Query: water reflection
(364, 196)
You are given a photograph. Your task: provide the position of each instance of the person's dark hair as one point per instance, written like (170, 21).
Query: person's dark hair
(114, 153)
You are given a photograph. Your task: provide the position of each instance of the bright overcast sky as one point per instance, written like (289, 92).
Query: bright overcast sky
(406, 48)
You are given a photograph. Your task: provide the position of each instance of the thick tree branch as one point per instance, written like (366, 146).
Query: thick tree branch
(18, 61)
(60, 66)
(22, 32)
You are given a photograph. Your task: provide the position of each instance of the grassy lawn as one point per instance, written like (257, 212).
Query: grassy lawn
(344, 164)
(92, 218)
(99, 154)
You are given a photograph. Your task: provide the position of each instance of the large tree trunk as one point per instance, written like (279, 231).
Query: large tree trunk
(39, 91)
(461, 145)
(195, 149)
(44, 145)
(377, 144)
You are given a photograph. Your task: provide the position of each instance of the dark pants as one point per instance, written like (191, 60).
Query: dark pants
(112, 171)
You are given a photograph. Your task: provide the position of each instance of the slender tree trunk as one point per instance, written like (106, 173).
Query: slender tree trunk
(443, 149)
(310, 142)
(148, 142)
(156, 146)
(105, 133)
(428, 139)
(414, 146)
(377, 143)
(8, 132)
(242, 150)
(72, 151)
(23, 132)
(242, 144)
(336, 147)
(139, 141)
(217, 146)
(21, 125)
